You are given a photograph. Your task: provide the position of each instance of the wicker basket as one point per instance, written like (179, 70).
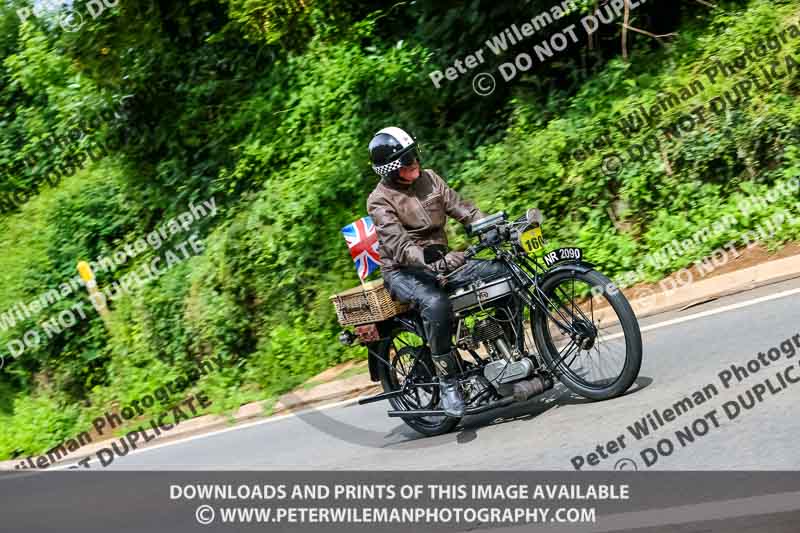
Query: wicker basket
(365, 305)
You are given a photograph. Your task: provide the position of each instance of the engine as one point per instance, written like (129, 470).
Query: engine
(508, 371)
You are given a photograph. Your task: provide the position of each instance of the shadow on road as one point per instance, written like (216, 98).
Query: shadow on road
(531, 409)
(403, 437)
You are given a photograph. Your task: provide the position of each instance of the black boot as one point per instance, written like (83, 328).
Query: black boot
(449, 389)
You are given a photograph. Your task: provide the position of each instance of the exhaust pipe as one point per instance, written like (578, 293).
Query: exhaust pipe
(522, 390)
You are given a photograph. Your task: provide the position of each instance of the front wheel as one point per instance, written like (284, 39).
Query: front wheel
(588, 334)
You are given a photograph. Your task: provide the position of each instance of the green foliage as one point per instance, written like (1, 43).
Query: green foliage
(40, 421)
(268, 106)
(708, 166)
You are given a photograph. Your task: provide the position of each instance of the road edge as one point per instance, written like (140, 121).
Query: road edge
(654, 303)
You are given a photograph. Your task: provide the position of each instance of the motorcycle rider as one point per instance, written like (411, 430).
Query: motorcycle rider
(409, 207)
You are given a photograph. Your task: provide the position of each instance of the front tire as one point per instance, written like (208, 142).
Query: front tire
(594, 313)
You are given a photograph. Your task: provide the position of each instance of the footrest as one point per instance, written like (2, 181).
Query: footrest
(380, 397)
(503, 402)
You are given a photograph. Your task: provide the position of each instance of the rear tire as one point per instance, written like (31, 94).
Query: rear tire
(399, 350)
(578, 311)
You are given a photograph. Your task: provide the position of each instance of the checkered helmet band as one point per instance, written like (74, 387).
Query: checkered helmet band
(385, 170)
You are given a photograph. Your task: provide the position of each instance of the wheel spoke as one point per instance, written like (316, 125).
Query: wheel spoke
(569, 365)
(414, 404)
(574, 307)
(569, 348)
(397, 359)
(558, 308)
(402, 366)
(572, 300)
(601, 364)
(408, 366)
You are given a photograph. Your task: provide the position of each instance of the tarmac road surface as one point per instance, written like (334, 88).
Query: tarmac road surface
(684, 354)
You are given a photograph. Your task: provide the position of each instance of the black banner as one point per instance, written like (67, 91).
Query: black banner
(399, 501)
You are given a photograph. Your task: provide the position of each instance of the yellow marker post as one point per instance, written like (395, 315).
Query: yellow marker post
(85, 271)
(95, 296)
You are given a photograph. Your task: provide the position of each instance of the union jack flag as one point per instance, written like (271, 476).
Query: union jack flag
(362, 239)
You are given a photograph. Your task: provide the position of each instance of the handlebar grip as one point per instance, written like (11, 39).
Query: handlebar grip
(472, 251)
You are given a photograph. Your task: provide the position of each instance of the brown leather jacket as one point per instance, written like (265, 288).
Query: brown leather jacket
(408, 219)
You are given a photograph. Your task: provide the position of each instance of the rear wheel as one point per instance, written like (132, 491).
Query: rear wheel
(411, 364)
(589, 336)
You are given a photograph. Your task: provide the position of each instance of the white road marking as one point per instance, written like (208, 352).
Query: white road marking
(279, 418)
(269, 420)
(712, 312)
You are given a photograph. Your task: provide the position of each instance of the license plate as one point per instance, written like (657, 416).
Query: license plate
(562, 254)
(532, 240)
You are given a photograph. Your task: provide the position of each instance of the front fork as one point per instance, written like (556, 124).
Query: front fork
(531, 294)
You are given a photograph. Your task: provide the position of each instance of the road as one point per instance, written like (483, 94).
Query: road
(550, 432)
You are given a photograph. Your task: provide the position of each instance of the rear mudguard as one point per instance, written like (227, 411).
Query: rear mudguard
(407, 321)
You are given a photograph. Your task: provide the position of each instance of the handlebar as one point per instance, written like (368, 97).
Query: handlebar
(483, 225)
(469, 253)
(495, 229)
(474, 250)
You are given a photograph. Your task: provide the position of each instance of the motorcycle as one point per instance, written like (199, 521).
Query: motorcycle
(547, 319)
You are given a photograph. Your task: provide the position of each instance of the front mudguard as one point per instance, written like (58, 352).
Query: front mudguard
(579, 266)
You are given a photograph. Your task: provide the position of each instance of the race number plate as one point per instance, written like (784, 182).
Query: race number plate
(532, 240)
(562, 254)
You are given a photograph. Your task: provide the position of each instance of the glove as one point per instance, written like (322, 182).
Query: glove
(450, 262)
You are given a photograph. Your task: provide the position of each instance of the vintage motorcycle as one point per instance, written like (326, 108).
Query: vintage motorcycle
(551, 317)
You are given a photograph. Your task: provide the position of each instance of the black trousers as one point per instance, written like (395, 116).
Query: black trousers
(419, 287)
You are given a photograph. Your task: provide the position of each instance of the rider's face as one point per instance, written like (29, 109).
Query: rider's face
(410, 173)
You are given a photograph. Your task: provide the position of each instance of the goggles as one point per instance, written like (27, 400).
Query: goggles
(405, 160)
(408, 158)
